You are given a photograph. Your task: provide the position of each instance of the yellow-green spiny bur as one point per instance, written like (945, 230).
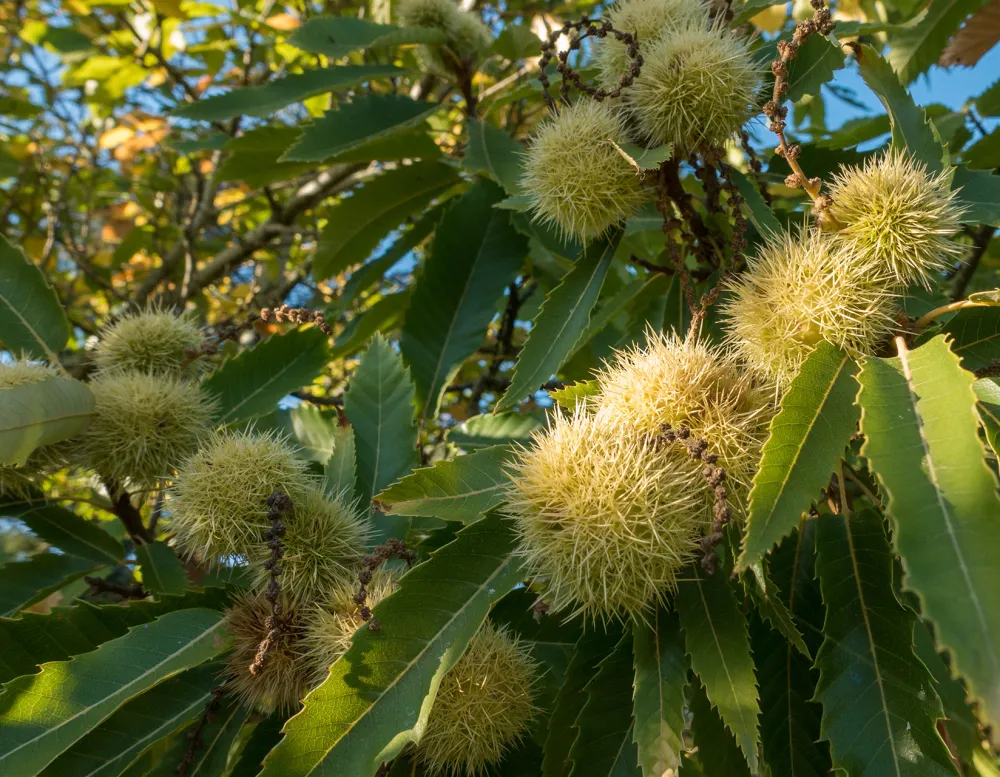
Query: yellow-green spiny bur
(575, 177)
(607, 514)
(483, 706)
(219, 500)
(152, 341)
(896, 215)
(799, 290)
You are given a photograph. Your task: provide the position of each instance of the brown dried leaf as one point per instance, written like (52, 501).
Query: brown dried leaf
(979, 35)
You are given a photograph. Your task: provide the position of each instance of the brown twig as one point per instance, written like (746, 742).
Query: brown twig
(389, 549)
(981, 241)
(131, 518)
(585, 28)
(278, 506)
(715, 476)
(297, 316)
(101, 586)
(194, 736)
(777, 113)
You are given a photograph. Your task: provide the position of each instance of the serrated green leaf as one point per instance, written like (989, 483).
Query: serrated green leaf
(217, 737)
(910, 130)
(921, 441)
(32, 321)
(482, 431)
(984, 154)
(119, 740)
(379, 405)
(162, 572)
(570, 396)
(33, 638)
(341, 472)
(563, 317)
(975, 336)
(988, 407)
(252, 383)
(268, 98)
(715, 631)
(495, 153)
(772, 609)
(359, 223)
(807, 438)
(314, 430)
(979, 191)
(644, 158)
(366, 118)
(43, 715)
(22, 583)
(604, 745)
(37, 414)
(661, 669)
(463, 489)
(265, 736)
(476, 253)
(378, 695)
(591, 649)
(384, 316)
(917, 44)
(253, 156)
(338, 36)
(760, 214)
(718, 753)
(813, 66)
(72, 534)
(879, 703)
(517, 41)
(790, 722)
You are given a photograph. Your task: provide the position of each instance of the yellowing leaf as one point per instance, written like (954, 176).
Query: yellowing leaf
(116, 136)
(770, 19)
(284, 22)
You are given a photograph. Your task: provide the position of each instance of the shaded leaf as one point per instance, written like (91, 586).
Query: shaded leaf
(341, 472)
(162, 572)
(267, 98)
(338, 36)
(661, 669)
(984, 154)
(988, 394)
(265, 736)
(495, 153)
(44, 714)
(483, 431)
(558, 325)
(314, 429)
(364, 119)
(815, 64)
(379, 405)
(475, 255)
(159, 712)
(718, 753)
(384, 316)
(715, 631)
(22, 583)
(921, 440)
(378, 695)
(760, 214)
(459, 490)
(32, 321)
(975, 336)
(517, 41)
(879, 704)
(807, 438)
(37, 414)
(33, 638)
(252, 383)
(359, 223)
(592, 648)
(771, 608)
(910, 130)
(979, 191)
(72, 534)
(604, 744)
(216, 738)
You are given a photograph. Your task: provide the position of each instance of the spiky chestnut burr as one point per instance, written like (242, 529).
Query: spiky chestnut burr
(606, 514)
(575, 177)
(686, 383)
(467, 38)
(152, 341)
(333, 621)
(284, 678)
(144, 426)
(323, 543)
(17, 481)
(483, 707)
(219, 500)
(894, 213)
(799, 290)
(697, 88)
(650, 21)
